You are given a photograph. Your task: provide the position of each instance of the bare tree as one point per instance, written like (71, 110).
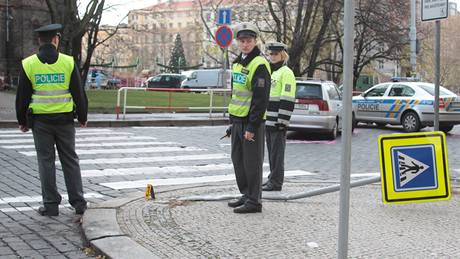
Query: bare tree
(381, 32)
(303, 26)
(76, 26)
(450, 44)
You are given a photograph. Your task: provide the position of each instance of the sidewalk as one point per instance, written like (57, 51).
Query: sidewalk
(8, 117)
(305, 228)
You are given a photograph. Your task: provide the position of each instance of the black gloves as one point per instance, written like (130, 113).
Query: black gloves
(228, 132)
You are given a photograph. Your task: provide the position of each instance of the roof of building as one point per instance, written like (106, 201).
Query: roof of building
(171, 5)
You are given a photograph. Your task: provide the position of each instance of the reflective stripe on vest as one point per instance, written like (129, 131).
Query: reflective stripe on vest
(51, 92)
(52, 100)
(242, 89)
(282, 90)
(50, 84)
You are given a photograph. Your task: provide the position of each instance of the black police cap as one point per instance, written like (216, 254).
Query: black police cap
(50, 29)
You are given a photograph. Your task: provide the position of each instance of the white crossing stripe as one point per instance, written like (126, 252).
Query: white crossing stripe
(30, 132)
(180, 127)
(18, 141)
(76, 134)
(20, 209)
(364, 175)
(105, 144)
(30, 208)
(157, 170)
(37, 198)
(188, 180)
(123, 160)
(127, 150)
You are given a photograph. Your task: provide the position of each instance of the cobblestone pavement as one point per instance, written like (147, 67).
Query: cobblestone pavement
(117, 161)
(306, 228)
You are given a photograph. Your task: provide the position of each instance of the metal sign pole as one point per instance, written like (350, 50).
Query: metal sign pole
(349, 21)
(437, 79)
(224, 75)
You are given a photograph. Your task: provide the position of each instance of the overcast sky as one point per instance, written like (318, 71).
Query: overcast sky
(121, 7)
(118, 9)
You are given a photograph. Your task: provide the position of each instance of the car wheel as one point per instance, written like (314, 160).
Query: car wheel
(335, 131)
(410, 122)
(446, 128)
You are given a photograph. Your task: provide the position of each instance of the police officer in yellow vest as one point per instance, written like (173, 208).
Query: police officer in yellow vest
(280, 107)
(250, 90)
(49, 92)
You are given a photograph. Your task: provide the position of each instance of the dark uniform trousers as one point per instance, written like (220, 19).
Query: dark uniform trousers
(247, 158)
(46, 135)
(276, 145)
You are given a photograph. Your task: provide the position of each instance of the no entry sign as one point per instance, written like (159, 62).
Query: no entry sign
(224, 36)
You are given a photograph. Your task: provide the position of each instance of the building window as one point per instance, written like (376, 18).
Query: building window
(179, 25)
(170, 25)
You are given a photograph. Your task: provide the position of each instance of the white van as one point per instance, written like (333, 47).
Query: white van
(205, 78)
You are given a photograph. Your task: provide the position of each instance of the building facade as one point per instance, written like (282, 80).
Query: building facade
(19, 18)
(154, 29)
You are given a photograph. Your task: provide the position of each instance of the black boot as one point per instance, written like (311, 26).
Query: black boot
(236, 203)
(48, 211)
(80, 210)
(270, 187)
(248, 208)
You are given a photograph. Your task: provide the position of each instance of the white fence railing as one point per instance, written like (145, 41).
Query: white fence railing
(169, 107)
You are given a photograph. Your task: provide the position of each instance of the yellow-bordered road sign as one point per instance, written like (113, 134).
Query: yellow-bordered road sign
(414, 167)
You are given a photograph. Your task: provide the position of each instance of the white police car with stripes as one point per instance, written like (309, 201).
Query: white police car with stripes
(410, 104)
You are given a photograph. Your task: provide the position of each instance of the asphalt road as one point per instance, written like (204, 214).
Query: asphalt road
(116, 161)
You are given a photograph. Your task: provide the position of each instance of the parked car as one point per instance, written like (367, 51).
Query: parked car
(318, 107)
(410, 104)
(97, 79)
(204, 78)
(165, 81)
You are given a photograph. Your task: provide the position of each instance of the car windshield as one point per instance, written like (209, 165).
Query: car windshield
(430, 89)
(309, 91)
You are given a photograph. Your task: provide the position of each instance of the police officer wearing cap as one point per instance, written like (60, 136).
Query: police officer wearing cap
(250, 90)
(280, 107)
(49, 93)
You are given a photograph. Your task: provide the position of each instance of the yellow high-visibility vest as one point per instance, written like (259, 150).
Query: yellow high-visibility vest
(282, 97)
(242, 89)
(50, 84)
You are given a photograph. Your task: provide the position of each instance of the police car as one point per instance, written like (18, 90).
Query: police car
(410, 104)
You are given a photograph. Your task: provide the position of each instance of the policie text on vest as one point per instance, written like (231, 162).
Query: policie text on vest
(49, 78)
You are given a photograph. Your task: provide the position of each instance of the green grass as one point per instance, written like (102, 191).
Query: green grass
(105, 101)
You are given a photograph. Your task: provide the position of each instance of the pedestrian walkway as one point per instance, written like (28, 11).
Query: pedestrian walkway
(8, 117)
(170, 228)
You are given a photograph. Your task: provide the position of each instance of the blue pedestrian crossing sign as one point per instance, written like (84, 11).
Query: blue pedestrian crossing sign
(414, 167)
(224, 16)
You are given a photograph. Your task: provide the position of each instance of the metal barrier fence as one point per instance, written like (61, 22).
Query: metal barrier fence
(211, 92)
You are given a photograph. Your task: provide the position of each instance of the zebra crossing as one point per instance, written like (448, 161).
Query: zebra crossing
(120, 160)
